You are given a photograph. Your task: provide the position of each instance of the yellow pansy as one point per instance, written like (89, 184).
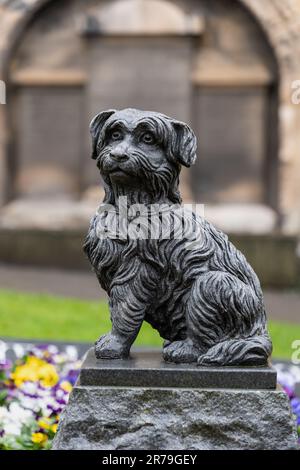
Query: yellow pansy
(44, 423)
(38, 438)
(48, 375)
(34, 370)
(54, 427)
(24, 374)
(66, 386)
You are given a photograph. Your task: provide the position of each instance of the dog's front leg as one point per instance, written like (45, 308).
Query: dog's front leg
(131, 294)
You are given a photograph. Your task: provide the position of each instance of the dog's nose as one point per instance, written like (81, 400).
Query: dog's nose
(120, 152)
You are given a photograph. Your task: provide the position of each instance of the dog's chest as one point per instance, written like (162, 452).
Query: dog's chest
(107, 252)
(109, 249)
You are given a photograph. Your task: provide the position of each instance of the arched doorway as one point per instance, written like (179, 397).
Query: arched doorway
(204, 63)
(217, 40)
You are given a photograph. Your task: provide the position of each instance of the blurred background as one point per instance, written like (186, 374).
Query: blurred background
(227, 67)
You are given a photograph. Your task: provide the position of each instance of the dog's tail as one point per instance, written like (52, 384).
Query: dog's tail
(253, 351)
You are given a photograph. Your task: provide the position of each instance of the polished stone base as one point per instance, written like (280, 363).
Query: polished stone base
(167, 416)
(148, 369)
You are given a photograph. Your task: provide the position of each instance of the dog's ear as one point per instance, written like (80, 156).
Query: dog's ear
(184, 143)
(96, 126)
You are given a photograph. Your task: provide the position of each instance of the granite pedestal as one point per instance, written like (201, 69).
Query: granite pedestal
(144, 403)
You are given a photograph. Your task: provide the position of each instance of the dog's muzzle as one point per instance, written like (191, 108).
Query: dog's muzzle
(120, 153)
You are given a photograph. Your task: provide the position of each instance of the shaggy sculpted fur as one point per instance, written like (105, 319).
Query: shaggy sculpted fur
(206, 302)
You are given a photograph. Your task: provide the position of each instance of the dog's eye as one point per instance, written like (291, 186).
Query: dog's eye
(116, 135)
(148, 138)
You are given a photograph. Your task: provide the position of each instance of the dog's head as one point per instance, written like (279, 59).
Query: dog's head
(142, 149)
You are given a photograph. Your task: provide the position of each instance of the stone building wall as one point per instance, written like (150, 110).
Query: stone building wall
(265, 52)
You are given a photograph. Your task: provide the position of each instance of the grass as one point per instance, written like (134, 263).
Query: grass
(40, 316)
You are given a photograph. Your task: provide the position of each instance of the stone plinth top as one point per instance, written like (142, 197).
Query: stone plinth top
(147, 369)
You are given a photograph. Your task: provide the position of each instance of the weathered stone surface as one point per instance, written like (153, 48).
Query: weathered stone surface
(144, 403)
(166, 419)
(278, 19)
(147, 369)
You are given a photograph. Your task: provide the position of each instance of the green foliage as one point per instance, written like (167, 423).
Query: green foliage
(40, 316)
(283, 335)
(3, 395)
(22, 441)
(45, 317)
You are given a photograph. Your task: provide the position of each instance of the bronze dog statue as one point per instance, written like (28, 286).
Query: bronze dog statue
(206, 302)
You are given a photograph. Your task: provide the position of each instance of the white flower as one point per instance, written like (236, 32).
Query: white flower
(12, 428)
(286, 379)
(60, 394)
(43, 392)
(47, 412)
(37, 352)
(72, 353)
(49, 401)
(3, 413)
(29, 387)
(13, 418)
(295, 371)
(30, 404)
(19, 414)
(52, 349)
(59, 358)
(3, 349)
(18, 349)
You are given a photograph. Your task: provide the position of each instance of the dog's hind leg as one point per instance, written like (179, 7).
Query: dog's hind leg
(227, 321)
(182, 351)
(239, 352)
(179, 348)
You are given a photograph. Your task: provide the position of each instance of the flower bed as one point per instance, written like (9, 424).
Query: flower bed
(35, 388)
(288, 376)
(33, 392)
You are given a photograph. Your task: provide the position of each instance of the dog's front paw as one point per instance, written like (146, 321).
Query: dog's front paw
(180, 351)
(110, 347)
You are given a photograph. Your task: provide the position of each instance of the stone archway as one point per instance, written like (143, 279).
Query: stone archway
(280, 21)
